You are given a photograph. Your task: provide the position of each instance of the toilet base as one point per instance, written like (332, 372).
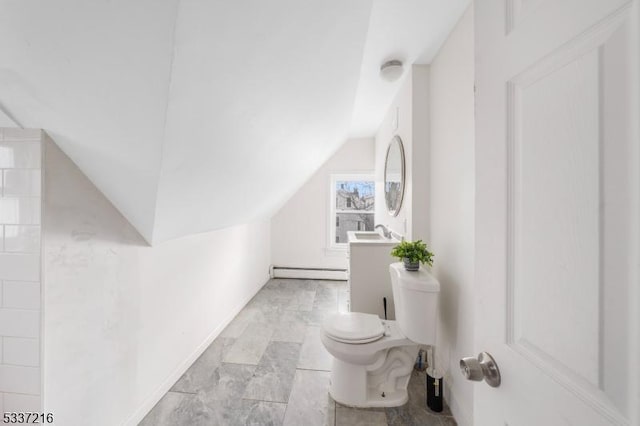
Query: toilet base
(393, 399)
(381, 384)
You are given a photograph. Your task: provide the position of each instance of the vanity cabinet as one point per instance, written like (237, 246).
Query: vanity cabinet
(369, 278)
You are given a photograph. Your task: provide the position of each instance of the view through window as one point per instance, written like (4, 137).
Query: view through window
(352, 205)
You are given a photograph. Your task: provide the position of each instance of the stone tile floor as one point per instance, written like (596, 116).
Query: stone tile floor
(268, 367)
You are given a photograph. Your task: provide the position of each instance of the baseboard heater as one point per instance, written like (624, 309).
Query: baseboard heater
(309, 273)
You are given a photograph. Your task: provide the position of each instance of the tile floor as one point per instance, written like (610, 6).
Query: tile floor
(268, 367)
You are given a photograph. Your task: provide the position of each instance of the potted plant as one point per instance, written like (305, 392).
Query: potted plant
(413, 253)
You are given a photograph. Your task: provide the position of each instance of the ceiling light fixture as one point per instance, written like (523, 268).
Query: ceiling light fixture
(391, 70)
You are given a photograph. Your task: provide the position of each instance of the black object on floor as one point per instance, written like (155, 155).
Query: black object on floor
(384, 303)
(434, 392)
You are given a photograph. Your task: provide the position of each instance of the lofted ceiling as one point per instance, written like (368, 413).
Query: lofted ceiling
(194, 115)
(6, 121)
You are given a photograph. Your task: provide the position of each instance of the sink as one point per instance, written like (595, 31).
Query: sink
(369, 236)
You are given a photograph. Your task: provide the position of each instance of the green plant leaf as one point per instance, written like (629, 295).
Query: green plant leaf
(415, 251)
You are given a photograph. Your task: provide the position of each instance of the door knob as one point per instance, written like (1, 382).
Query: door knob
(483, 367)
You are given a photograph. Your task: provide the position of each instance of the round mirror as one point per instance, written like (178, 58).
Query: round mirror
(394, 176)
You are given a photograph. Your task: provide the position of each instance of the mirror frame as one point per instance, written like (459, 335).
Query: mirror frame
(395, 212)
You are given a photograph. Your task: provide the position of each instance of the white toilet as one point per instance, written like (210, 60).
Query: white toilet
(373, 358)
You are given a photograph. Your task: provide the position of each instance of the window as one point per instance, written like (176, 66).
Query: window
(352, 206)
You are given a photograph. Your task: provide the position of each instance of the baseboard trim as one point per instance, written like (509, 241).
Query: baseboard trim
(309, 273)
(168, 383)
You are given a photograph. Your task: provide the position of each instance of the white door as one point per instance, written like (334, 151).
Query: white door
(557, 216)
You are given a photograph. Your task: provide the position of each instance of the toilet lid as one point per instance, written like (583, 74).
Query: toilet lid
(354, 327)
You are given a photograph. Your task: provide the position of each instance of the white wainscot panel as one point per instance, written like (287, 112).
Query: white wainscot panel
(21, 351)
(19, 323)
(20, 210)
(19, 267)
(17, 134)
(22, 238)
(16, 403)
(21, 183)
(20, 155)
(21, 294)
(20, 379)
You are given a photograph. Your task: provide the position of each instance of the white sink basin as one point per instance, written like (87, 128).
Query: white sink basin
(368, 236)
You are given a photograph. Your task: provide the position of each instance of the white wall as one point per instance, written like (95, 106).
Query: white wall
(123, 320)
(452, 208)
(20, 162)
(299, 231)
(434, 110)
(397, 121)
(408, 117)
(420, 153)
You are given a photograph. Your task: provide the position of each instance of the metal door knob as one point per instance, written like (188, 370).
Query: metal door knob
(483, 367)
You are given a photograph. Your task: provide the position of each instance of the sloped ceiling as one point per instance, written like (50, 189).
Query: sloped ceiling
(195, 115)
(409, 30)
(6, 121)
(95, 75)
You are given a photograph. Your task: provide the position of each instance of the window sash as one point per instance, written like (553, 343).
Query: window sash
(333, 219)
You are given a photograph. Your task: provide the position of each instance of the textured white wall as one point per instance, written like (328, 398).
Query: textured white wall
(452, 208)
(299, 233)
(123, 320)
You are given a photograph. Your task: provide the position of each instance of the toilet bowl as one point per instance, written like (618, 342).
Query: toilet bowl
(373, 358)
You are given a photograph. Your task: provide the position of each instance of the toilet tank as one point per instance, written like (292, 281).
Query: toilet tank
(416, 299)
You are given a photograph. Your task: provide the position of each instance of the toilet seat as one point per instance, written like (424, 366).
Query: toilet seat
(354, 328)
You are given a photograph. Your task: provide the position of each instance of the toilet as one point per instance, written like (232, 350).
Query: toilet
(373, 358)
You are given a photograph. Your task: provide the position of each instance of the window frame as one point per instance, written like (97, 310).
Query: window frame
(333, 179)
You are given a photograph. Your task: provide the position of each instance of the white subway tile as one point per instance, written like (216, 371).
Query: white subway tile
(21, 295)
(20, 211)
(19, 323)
(22, 238)
(20, 403)
(21, 183)
(21, 351)
(19, 379)
(20, 155)
(19, 267)
(17, 134)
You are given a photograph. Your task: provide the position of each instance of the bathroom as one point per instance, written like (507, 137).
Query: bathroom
(171, 173)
